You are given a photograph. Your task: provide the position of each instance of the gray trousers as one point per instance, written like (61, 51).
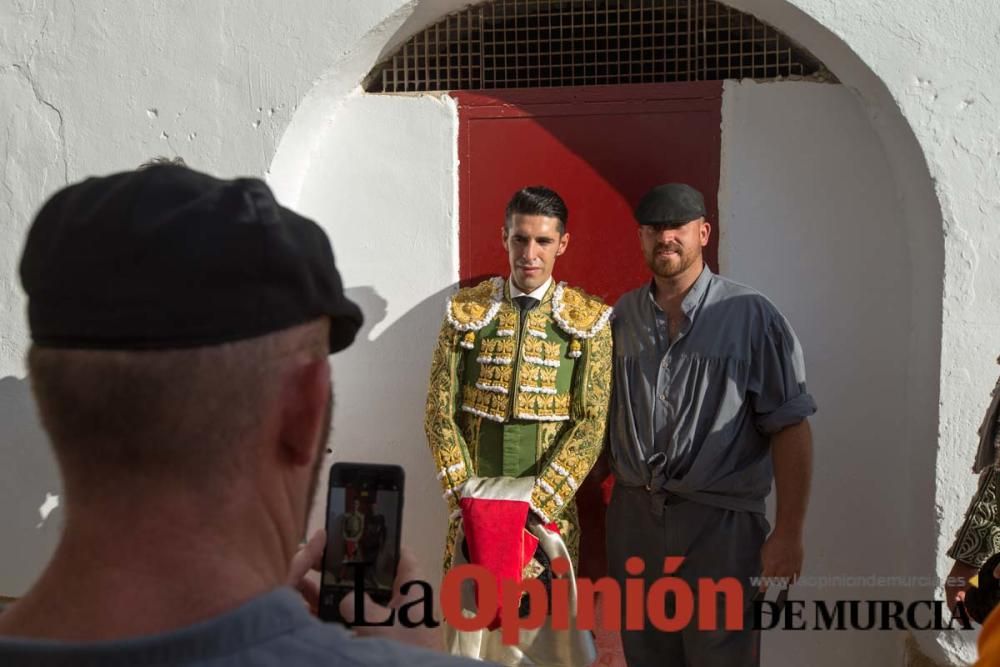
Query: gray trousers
(715, 543)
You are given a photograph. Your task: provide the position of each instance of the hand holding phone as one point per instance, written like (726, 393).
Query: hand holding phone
(363, 526)
(309, 557)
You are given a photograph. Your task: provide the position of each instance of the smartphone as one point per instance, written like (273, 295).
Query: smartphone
(364, 520)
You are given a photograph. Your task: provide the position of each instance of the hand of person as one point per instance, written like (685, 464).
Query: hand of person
(376, 613)
(958, 583)
(781, 558)
(309, 557)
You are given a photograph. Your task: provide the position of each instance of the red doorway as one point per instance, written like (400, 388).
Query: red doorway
(601, 148)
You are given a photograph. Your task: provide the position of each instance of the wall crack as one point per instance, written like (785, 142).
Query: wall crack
(60, 132)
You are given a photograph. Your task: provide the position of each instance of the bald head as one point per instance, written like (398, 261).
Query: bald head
(191, 416)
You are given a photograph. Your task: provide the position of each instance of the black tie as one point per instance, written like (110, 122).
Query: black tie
(525, 302)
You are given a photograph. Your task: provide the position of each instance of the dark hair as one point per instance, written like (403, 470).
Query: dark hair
(161, 160)
(537, 200)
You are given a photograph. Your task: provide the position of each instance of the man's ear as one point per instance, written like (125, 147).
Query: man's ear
(304, 421)
(705, 232)
(563, 244)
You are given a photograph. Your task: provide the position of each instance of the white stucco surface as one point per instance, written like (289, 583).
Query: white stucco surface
(809, 216)
(382, 183)
(244, 87)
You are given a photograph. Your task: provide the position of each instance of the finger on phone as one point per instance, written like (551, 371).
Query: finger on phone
(309, 590)
(308, 557)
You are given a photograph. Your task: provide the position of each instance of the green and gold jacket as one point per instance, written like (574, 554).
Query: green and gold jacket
(518, 395)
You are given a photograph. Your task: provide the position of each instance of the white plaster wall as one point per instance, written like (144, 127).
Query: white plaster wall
(383, 185)
(809, 216)
(97, 86)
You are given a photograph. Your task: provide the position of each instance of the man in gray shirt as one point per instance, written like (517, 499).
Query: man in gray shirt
(181, 327)
(709, 394)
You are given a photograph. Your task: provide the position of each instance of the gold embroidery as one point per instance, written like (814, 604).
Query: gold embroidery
(537, 319)
(579, 313)
(580, 444)
(470, 425)
(443, 436)
(542, 406)
(547, 434)
(507, 323)
(540, 349)
(470, 307)
(533, 347)
(539, 378)
(484, 403)
(497, 351)
(566, 447)
(496, 375)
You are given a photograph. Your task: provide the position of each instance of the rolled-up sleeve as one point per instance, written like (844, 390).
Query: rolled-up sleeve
(777, 383)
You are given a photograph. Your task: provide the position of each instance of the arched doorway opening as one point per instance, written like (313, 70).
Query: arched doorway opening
(824, 204)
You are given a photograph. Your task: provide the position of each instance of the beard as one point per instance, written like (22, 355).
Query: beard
(671, 265)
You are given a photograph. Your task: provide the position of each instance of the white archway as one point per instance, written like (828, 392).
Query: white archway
(327, 116)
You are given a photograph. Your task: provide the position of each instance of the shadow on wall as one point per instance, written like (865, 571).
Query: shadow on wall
(380, 386)
(30, 520)
(374, 420)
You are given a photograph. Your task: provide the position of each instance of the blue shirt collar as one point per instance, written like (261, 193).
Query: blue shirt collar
(694, 297)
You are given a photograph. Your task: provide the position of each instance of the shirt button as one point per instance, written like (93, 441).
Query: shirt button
(663, 397)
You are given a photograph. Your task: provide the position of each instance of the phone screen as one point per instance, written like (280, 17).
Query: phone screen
(363, 525)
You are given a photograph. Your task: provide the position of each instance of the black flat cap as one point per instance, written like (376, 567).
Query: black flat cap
(670, 204)
(167, 257)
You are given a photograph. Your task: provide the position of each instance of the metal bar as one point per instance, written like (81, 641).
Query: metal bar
(494, 54)
(562, 41)
(456, 47)
(453, 51)
(514, 45)
(542, 43)
(689, 30)
(731, 44)
(406, 66)
(538, 51)
(470, 44)
(718, 43)
(703, 49)
(618, 45)
(427, 58)
(438, 84)
(572, 48)
(593, 73)
(742, 43)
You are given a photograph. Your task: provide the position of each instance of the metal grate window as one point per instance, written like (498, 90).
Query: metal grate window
(545, 43)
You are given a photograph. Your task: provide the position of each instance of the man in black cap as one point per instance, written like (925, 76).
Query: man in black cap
(709, 390)
(181, 329)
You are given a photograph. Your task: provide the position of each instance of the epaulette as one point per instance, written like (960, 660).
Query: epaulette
(578, 313)
(472, 308)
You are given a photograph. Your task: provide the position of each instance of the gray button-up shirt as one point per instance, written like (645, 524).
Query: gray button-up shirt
(694, 418)
(272, 630)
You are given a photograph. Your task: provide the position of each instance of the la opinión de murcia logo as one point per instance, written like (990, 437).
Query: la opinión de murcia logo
(713, 600)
